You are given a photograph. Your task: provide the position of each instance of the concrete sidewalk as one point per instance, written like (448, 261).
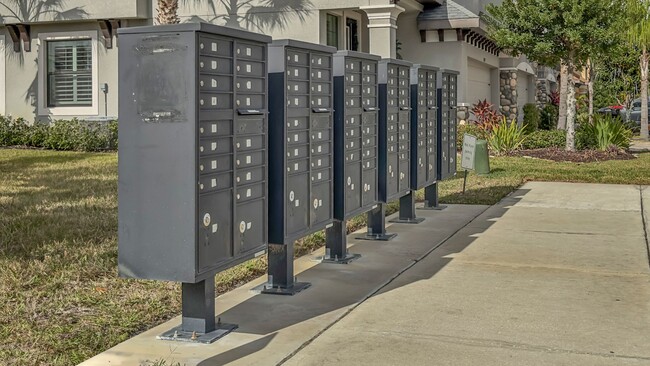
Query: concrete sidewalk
(555, 274)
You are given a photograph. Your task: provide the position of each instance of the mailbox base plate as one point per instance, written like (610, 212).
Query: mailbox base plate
(292, 290)
(435, 208)
(378, 237)
(347, 259)
(415, 220)
(179, 335)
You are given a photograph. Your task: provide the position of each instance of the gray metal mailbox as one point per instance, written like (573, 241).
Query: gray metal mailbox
(300, 150)
(394, 142)
(192, 158)
(355, 145)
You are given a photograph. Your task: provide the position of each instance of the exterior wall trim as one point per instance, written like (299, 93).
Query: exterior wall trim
(43, 109)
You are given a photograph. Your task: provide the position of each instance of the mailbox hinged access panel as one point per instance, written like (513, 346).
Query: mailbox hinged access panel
(300, 152)
(424, 115)
(394, 129)
(447, 102)
(192, 165)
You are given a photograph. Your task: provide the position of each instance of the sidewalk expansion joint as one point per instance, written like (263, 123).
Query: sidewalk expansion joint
(379, 288)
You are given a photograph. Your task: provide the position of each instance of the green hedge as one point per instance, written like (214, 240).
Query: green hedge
(531, 117)
(59, 135)
(542, 139)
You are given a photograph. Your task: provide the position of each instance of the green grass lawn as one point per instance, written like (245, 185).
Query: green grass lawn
(62, 301)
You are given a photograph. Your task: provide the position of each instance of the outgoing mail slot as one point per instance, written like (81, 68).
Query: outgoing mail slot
(254, 142)
(214, 146)
(250, 51)
(214, 164)
(297, 151)
(250, 68)
(254, 101)
(320, 148)
(215, 128)
(214, 244)
(297, 73)
(297, 87)
(249, 159)
(249, 126)
(215, 46)
(320, 175)
(249, 192)
(215, 65)
(214, 182)
(250, 227)
(211, 101)
(215, 83)
(320, 203)
(320, 121)
(250, 85)
(297, 203)
(252, 175)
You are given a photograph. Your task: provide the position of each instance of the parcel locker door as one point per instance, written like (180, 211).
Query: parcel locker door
(392, 172)
(369, 184)
(404, 173)
(297, 203)
(353, 188)
(250, 226)
(215, 229)
(421, 165)
(321, 203)
(452, 141)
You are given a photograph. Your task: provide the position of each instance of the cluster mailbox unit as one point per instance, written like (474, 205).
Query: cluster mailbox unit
(192, 174)
(355, 146)
(394, 141)
(300, 152)
(424, 105)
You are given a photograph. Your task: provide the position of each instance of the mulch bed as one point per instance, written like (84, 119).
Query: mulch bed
(584, 156)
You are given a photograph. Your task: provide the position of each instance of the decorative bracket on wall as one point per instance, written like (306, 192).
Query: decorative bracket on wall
(18, 33)
(109, 29)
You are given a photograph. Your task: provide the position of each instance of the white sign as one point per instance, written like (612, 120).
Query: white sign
(467, 155)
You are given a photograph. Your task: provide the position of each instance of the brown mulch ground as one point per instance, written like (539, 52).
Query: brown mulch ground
(584, 156)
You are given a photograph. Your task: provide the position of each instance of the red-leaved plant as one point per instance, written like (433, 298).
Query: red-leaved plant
(555, 98)
(487, 117)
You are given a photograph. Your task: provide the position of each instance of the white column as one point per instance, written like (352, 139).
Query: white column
(382, 28)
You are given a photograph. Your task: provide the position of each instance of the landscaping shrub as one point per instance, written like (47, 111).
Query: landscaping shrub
(487, 117)
(531, 117)
(470, 128)
(604, 132)
(548, 117)
(542, 139)
(506, 137)
(59, 135)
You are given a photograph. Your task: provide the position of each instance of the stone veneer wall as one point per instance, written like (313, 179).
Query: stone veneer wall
(541, 94)
(462, 114)
(508, 89)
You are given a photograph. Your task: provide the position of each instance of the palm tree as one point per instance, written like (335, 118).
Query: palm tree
(270, 14)
(639, 35)
(167, 12)
(30, 11)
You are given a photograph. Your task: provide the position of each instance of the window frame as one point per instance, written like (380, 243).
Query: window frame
(43, 108)
(339, 18)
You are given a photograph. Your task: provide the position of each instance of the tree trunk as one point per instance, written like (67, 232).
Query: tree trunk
(590, 85)
(570, 109)
(564, 77)
(167, 12)
(644, 94)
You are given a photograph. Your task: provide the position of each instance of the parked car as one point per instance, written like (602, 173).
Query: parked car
(614, 110)
(635, 113)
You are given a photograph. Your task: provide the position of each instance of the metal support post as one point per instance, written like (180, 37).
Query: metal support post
(407, 210)
(431, 198)
(377, 225)
(281, 280)
(198, 324)
(336, 244)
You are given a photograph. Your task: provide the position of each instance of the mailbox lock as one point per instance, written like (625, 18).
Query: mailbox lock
(315, 203)
(291, 196)
(206, 219)
(242, 227)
